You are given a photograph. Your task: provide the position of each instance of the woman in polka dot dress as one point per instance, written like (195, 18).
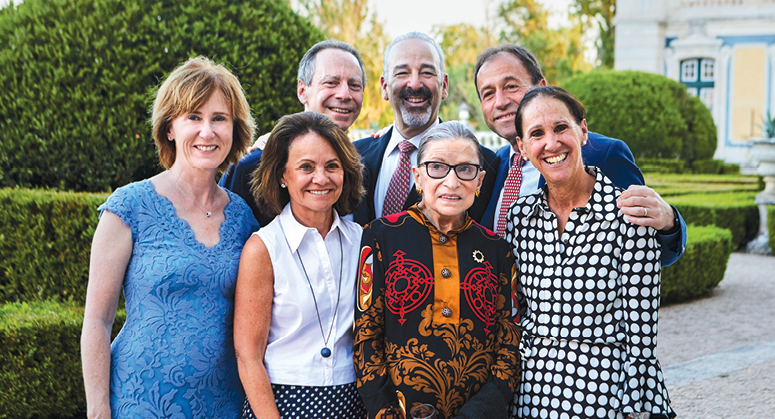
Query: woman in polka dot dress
(588, 288)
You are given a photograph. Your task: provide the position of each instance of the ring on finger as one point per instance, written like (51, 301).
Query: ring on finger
(645, 212)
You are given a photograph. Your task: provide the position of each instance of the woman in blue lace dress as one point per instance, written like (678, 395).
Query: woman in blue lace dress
(173, 244)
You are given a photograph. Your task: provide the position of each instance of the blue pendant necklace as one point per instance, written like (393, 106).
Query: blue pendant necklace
(325, 352)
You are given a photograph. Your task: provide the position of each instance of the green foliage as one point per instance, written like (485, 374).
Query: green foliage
(658, 165)
(77, 79)
(559, 51)
(701, 136)
(45, 240)
(768, 125)
(701, 268)
(651, 113)
(672, 185)
(736, 212)
(600, 12)
(708, 166)
(40, 363)
(730, 169)
(771, 226)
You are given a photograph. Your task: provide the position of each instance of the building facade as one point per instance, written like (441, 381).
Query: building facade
(722, 50)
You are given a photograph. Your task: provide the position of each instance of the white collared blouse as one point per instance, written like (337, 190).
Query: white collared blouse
(293, 353)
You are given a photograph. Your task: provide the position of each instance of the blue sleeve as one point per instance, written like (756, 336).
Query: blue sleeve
(673, 244)
(619, 166)
(621, 169)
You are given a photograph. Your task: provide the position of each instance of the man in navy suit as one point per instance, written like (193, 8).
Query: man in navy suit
(414, 81)
(502, 77)
(330, 81)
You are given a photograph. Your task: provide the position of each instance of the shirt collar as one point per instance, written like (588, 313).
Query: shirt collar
(396, 137)
(295, 231)
(415, 212)
(596, 206)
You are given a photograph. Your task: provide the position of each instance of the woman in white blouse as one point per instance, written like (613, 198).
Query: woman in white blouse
(296, 286)
(588, 287)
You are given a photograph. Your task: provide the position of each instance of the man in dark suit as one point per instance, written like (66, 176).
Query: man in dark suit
(414, 81)
(330, 81)
(502, 77)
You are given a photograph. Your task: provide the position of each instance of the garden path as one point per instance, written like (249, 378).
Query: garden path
(718, 352)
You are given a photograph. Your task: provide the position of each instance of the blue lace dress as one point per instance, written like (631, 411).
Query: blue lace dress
(174, 357)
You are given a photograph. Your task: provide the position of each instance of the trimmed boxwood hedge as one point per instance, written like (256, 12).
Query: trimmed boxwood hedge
(77, 78)
(701, 268)
(40, 362)
(734, 211)
(45, 242)
(653, 114)
(771, 226)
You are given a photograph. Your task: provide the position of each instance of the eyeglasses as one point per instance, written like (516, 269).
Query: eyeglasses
(439, 170)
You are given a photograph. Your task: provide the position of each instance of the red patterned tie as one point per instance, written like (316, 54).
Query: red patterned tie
(398, 189)
(510, 191)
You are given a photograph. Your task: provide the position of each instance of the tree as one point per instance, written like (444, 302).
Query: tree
(461, 45)
(78, 77)
(350, 21)
(600, 12)
(653, 114)
(559, 51)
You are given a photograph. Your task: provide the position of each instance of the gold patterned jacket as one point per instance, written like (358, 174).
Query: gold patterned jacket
(433, 320)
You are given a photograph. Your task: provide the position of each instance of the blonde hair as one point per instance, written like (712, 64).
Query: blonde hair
(187, 89)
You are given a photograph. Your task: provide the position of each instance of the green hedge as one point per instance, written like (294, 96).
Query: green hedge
(40, 363)
(653, 114)
(734, 211)
(771, 226)
(708, 166)
(45, 242)
(701, 268)
(78, 76)
(658, 165)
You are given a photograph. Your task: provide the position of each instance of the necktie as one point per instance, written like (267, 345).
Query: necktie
(398, 189)
(510, 191)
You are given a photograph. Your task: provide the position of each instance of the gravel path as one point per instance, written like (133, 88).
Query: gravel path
(718, 350)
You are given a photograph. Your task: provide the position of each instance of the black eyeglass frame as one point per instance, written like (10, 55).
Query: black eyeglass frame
(451, 167)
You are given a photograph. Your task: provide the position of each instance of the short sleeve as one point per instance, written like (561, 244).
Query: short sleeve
(121, 203)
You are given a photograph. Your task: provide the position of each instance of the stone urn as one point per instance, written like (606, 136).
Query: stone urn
(763, 151)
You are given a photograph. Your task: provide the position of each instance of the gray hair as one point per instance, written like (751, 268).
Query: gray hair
(450, 130)
(412, 35)
(307, 63)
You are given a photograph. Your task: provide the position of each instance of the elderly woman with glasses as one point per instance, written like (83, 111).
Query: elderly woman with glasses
(434, 322)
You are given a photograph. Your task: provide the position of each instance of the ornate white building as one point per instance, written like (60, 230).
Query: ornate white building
(722, 50)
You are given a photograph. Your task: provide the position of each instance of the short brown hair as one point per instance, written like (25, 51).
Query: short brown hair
(187, 89)
(266, 179)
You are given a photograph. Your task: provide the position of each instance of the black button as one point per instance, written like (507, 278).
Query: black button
(446, 273)
(443, 239)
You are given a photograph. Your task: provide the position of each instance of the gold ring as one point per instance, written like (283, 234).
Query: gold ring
(645, 212)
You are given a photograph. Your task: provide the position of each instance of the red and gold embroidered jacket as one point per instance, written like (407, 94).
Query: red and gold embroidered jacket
(433, 320)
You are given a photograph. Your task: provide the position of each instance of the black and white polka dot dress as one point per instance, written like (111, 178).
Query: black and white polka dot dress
(588, 303)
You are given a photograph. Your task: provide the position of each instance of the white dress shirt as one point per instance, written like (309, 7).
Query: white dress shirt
(295, 340)
(390, 163)
(530, 177)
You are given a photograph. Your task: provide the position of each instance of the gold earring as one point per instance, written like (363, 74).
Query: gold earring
(419, 191)
(478, 192)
